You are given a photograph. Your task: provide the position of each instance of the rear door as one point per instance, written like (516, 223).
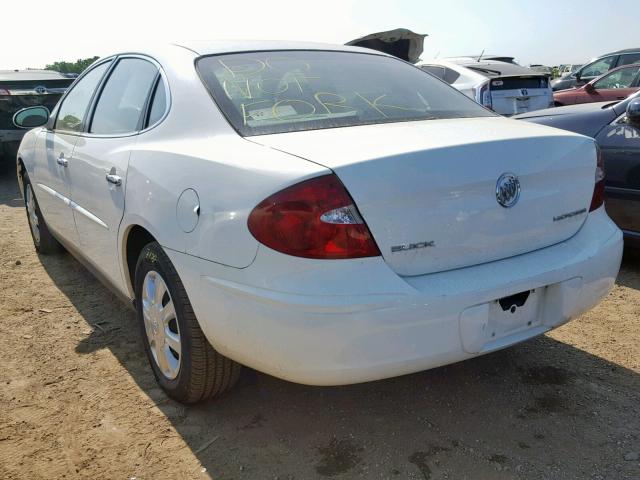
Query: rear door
(617, 85)
(620, 143)
(101, 159)
(54, 155)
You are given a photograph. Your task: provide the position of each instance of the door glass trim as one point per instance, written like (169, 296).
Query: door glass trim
(87, 134)
(54, 193)
(56, 111)
(74, 206)
(94, 98)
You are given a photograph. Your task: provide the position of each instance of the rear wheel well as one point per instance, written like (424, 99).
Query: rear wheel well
(137, 238)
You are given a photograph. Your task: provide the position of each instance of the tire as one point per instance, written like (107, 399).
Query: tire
(44, 242)
(201, 372)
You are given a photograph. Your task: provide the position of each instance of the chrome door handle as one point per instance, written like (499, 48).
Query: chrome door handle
(115, 179)
(62, 161)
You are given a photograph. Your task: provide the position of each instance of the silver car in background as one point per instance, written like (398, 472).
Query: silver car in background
(506, 88)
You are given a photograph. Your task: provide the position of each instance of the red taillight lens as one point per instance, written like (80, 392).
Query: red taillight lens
(598, 190)
(313, 219)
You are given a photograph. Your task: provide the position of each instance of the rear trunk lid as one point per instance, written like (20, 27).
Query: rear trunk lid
(400, 42)
(512, 95)
(427, 190)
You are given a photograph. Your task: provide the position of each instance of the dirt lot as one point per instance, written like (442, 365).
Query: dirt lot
(77, 399)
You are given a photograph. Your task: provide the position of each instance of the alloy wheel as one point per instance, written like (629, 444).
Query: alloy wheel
(161, 324)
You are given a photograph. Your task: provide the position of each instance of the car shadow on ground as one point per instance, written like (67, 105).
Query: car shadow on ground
(527, 412)
(630, 273)
(9, 191)
(459, 418)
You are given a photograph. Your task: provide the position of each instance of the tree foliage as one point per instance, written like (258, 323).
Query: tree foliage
(71, 67)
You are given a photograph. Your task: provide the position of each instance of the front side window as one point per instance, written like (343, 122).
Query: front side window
(623, 78)
(599, 67)
(286, 91)
(123, 97)
(74, 106)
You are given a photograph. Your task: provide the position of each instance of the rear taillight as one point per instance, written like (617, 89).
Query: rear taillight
(313, 219)
(483, 96)
(4, 91)
(598, 190)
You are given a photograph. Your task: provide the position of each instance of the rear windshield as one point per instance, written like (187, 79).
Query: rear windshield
(288, 91)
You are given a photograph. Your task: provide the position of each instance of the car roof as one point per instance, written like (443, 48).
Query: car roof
(627, 50)
(16, 75)
(238, 46)
(494, 69)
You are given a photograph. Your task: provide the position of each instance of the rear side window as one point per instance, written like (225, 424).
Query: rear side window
(288, 91)
(74, 107)
(629, 59)
(123, 97)
(450, 76)
(443, 73)
(158, 104)
(434, 70)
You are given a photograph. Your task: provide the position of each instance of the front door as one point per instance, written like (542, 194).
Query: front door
(620, 143)
(618, 85)
(50, 181)
(56, 144)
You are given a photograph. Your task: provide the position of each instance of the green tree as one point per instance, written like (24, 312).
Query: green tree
(71, 67)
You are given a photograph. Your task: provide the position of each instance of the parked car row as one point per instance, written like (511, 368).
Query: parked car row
(500, 84)
(616, 128)
(326, 214)
(615, 85)
(597, 67)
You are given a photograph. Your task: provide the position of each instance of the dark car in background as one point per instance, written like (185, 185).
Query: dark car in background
(616, 128)
(615, 85)
(20, 89)
(597, 67)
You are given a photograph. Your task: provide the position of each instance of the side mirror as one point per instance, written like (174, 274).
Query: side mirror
(590, 88)
(31, 117)
(633, 112)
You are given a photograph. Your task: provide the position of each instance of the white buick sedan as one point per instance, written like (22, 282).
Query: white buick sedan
(325, 214)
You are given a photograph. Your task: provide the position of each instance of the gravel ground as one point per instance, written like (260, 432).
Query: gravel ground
(77, 399)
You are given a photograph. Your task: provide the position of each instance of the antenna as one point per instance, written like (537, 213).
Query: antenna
(480, 57)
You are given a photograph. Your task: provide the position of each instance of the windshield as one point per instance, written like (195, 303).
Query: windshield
(288, 91)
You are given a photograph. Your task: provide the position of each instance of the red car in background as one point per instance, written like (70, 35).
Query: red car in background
(615, 85)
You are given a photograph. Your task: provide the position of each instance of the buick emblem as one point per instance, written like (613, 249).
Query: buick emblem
(40, 89)
(507, 190)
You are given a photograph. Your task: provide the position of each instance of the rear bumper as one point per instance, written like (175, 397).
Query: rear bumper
(341, 322)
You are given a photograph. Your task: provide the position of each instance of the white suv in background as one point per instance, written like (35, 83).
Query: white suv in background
(505, 88)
